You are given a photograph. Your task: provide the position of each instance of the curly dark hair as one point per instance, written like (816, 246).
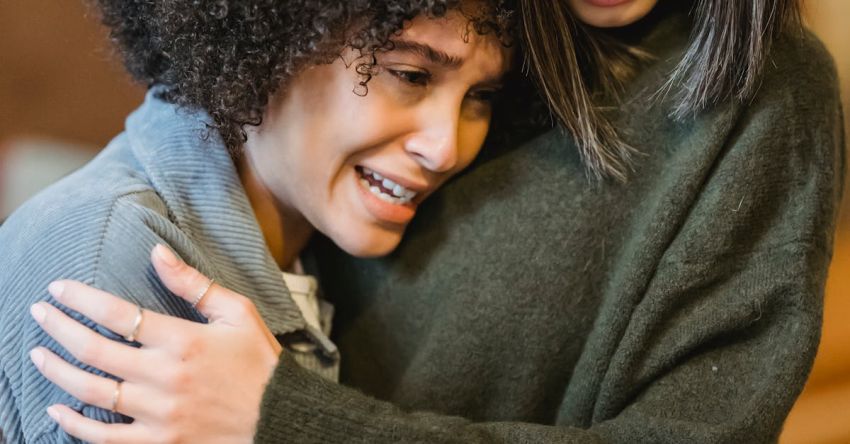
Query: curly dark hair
(228, 57)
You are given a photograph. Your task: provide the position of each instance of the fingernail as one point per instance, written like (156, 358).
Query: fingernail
(53, 413)
(167, 256)
(38, 313)
(37, 357)
(56, 288)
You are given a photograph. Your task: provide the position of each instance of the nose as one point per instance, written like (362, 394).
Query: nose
(435, 146)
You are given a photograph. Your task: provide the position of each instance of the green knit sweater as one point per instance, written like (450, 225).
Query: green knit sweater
(528, 304)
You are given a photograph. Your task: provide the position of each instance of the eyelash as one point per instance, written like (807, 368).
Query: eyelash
(420, 78)
(417, 78)
(485, 96)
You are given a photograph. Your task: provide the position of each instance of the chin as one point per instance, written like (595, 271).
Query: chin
(368, 245)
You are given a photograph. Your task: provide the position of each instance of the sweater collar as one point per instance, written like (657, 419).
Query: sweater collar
(189, 166)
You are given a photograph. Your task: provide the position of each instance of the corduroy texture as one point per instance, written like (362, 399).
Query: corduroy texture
(527, 305)
(165, 181)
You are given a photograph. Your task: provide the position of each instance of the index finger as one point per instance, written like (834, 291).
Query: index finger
(214, 301)
(117, 314)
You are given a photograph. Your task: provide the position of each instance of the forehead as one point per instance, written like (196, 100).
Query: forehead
(455, 35)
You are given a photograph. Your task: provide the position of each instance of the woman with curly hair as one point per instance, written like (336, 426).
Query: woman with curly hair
(652, 274)
(264, 122)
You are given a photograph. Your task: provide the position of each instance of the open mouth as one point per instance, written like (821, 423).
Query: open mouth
(384, 188)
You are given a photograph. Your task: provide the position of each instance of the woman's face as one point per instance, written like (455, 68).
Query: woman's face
(611, 13)
(356, 166)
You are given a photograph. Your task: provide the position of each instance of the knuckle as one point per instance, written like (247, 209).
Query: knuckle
(172, 415)
(178, 343)
(177, 379)
(190, 347)
(244, 306)
(181, 343)
(170, 436)
(189, 354)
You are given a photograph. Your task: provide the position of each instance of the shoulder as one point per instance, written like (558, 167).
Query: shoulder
(96, 226)
(802, 54)
(794, 121)
(71, 230)
(777, 177)
(72, 216)
(800, 81)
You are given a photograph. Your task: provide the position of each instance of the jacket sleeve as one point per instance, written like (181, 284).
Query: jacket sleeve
(112, 255)
(721, 342)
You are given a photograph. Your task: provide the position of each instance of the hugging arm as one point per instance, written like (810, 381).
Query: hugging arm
(724, 367)
(702, 375)
(716, 350)
(719, 344)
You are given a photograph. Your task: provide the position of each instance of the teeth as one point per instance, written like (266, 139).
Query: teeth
(399, 190)
(400, 194)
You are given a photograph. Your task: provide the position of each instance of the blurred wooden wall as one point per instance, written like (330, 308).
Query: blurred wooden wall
(58, 79)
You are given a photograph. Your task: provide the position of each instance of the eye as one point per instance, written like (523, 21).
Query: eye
(417, 78)
(484, 95)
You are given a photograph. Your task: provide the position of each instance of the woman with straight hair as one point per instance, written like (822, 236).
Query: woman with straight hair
(652, 270)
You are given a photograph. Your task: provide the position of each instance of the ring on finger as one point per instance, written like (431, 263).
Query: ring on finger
(116, 395)
(202, 293)
(137, 323)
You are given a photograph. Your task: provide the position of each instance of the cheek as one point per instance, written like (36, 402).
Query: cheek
(325, 124)
(470, 140)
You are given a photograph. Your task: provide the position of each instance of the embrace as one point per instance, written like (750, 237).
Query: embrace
(450, 221)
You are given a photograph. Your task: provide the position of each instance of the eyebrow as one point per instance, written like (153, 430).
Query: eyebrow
(434, 55)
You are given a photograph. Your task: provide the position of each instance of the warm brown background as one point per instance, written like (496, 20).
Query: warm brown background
(58, 79)
(57, 74)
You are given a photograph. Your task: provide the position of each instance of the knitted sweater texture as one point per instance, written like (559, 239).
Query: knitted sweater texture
(528, 304)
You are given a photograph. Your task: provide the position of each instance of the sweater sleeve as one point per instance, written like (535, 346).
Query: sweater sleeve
(730, 357)
(721, 342)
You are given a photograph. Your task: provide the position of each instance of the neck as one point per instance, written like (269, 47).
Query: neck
(285, 230)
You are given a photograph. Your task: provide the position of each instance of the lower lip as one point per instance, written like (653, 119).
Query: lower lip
(607, 3)
(385, 211)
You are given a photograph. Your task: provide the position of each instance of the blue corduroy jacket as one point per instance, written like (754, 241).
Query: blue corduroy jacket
(166, 179)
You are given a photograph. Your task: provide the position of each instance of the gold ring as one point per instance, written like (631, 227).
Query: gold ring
(202, 293)
(115, 396)
(136, 324)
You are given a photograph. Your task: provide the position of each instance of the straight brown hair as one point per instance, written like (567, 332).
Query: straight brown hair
(577, 68)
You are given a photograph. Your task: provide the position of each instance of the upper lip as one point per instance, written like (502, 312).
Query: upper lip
(410, 185)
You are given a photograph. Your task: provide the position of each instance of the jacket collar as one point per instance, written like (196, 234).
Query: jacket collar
(189, 166)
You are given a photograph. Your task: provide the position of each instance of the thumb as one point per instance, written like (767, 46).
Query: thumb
(213, 301)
